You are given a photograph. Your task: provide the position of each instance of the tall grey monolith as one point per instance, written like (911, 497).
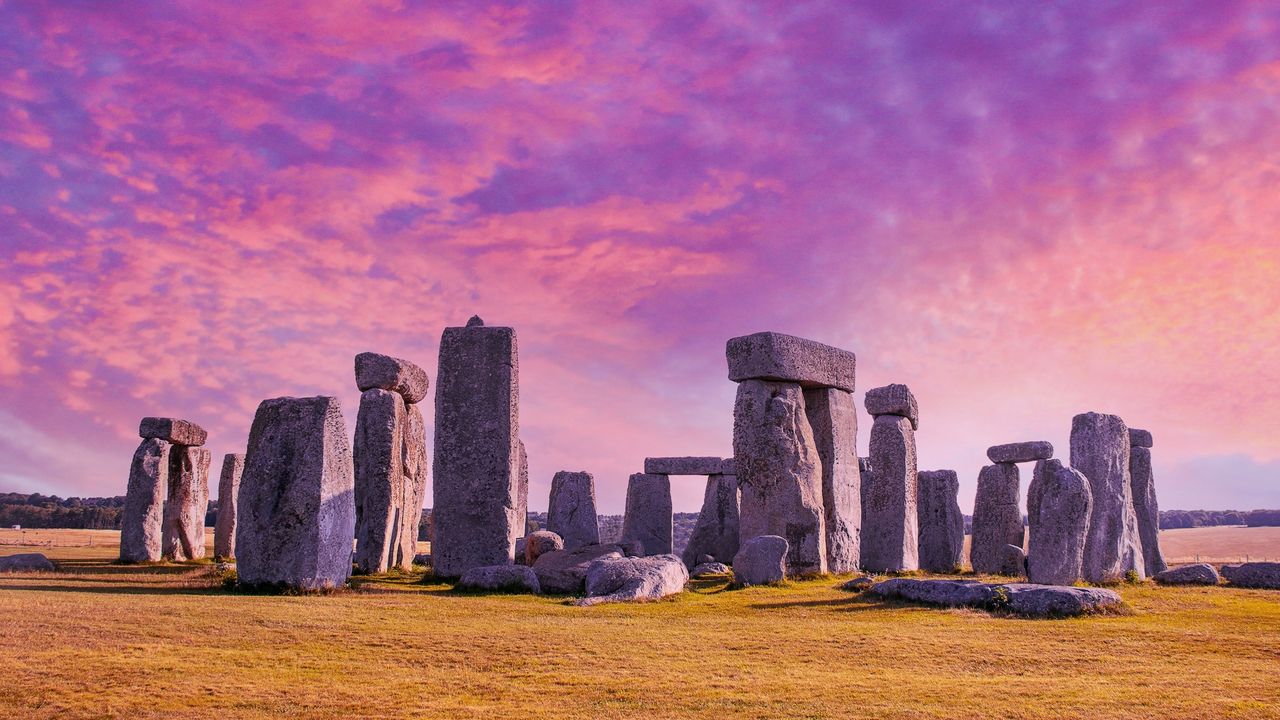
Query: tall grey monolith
(414, 466)
(1146, 509)
(477, 504)
(143, 517)
(716, 531)
(941, 525)
(997, 517)
(648, 520)
(378, 453)
(1058, 505)
(224, 529)
(571, 513)
(183, 534)
(833, 417)
(1100, 450)
(890, 524)
(297, 512)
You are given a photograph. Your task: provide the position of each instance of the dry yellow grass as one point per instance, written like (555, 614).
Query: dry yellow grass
(98, 640)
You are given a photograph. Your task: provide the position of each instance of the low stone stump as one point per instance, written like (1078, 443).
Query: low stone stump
(564, 572)
(500, 578)
(26, 562)
(1253, 575)
(625, 579)
(1194, 574)
(538, 543)
(761, 561)
(710, 568)
(1020, 599)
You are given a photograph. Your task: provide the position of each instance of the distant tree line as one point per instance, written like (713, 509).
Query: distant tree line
(50, 511)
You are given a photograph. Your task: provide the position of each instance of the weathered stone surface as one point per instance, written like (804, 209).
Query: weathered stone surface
(564, 572)
(941, 524)
(947, 593)
(648, 518)
(26, 562)
(1146, 509)
(182, 536)
(890, 526)
(477, 509)
(789, 359)
(716, 533)
(627, 579)
(1253, 575)
(893, 400)
(1020, 452)
(500, 578)
(728, 467)
(522, 487)
(1013, 561)
(297, 513)
(858, 584)
(833, 417)
(413, 464)
(383, 372)
(540, 542)
(173, 430)
(572, 511)
(1059, 500)
(224, 532)
(522, 545)
(1036, 601)
(1100, 450)
(864, 465)
(710, 568)
(761, 561)
(997, 518)
(379, 478)
(143, 517)
(1194, 574)
(683, 465)
(1140, 438)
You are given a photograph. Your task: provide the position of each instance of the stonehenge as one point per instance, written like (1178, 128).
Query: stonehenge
(480, 489)
(890, 523)
(1059, 504)
(941, 525)
(997, 516)
(1100, 450)
(571, 513)
(647, 524)
(1145, 506)
(168, 493)
(143, 517)
(182, 536)
(224, 531)
(717, 528)
(832, 413)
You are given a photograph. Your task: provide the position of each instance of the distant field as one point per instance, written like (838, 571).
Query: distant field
(100, 640)
(1222, 544)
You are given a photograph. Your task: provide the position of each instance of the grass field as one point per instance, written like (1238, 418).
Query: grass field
(99, 640)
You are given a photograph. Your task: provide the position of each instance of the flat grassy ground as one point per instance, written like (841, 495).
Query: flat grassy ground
(99, 640)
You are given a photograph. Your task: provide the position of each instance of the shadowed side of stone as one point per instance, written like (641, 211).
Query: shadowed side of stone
(833, 417)
(564, 572)
(1253, 575)
(716, 531)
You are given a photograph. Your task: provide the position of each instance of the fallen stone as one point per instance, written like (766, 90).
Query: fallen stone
(1140, 438)
(182, 536)
(1020, 452)
(1253, 575)
(683, 465)
(477, 509)
(224, 531)
(572, 510)
(26, 562)
(788, 359)
(1194, 574)
(296, 515)
(540, 542)
(1100, 450)
(947, 593)
(1058, 503)
(710, 568)
(142, 521)
(378, 454)
(858, 584)
(715, 535)
(779, 472)
(173, 430)
(1022, 599)
(941, 525)
(564, 572)
(500, 578)
(383, 372)
(997, 518)
(890, 523)
(833, 417)
(648, 519)
(893, 400)
(1013, 561)
(1147, 509)
(761, 561)
(615, 579)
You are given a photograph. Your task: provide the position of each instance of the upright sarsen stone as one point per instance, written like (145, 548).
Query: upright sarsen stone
(833, 417)
(224, 532)
(143, 517)
(188, 502)
(1146, 509)
(1100, 450)
(414, 467)
(297, 511)
(779, 473)
(1059, 501)
(477, 505)
(997, 517)
(648, 519)
(890, 524)
(716, 532)
(571, 513)
(378, 454)
(941, 523)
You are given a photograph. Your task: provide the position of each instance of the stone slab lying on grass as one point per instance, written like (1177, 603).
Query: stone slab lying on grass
(683, 465)
(1194, 574)
(564, 572)
(1253, 575)
(174, 430)
(710, 568)
(26, 562)
(761, 561)
(538, 543)
(500, 578)
(627, 579)
(1020, 452)
(786, 358)
(1022, 599)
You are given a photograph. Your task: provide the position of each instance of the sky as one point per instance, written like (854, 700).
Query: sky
(1023, 211)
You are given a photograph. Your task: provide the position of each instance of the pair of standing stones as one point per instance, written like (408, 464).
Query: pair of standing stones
(168, 493)
(647, 525)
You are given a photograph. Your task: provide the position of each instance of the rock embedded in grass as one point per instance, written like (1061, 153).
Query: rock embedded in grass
(1194, 574)
(26, 562)
(710, 568)
(1253, 575)
(858, 584)
(564, 572)
(761, 561)
(500, 578)
(1013, 561)
(625, 579)
(1023, 599)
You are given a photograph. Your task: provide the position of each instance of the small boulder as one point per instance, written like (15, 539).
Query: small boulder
(1013, 561)
(1194, 574)
(628, 579)
(1253, 575)
(761, 561)
(500, 578)
(710, 568)
(858, 584)
(564, 572)
(26, 562)
(539, 542)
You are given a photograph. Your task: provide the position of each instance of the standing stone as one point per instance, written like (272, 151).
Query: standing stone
(890, 532)
(648, 519)
(378, 453)
(1100, 450)
(1146, 509)
(1059, 501)
(997, 517)
(833, 417)
(716, 532)
(414, 466)
(143, 517)
(188, 502)
(522, 489)
(941, 523)
(780, 472)
(297, 511)
(571, 513)
(479, 501)
(224, 532)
